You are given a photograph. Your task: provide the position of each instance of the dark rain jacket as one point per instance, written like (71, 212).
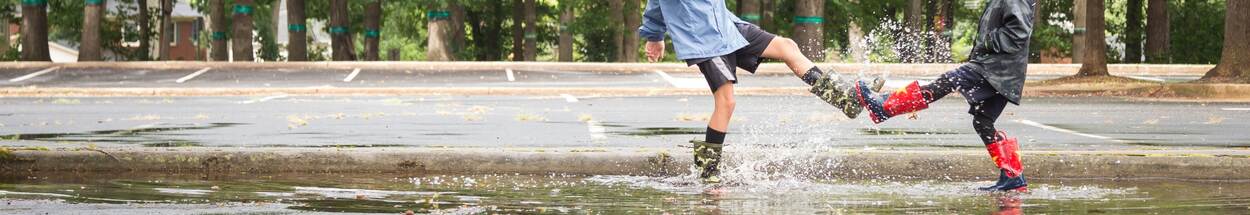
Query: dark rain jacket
(1002, 45)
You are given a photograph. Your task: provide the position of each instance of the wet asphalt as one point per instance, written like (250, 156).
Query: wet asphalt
(1081, 123)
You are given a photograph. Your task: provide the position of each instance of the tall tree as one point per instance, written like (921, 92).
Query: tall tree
(340, 41)
(373, 29)
(1095, 62)
(217, 18)
(531, 30)
(633, 20)
(914, 15)
(1157, 31)
(518, 30)
(1234, 63)
(145, 30)
(1133, 32)
(242, 37)
(766, 15)
(1079, 22)
(35, 31)
(4, 32)
(167, 24)
(488, 30)
(616, 9)
(439, 40)
(89, 46)
(808, 19)
(297, 47)
(566, 35)
(458, 35)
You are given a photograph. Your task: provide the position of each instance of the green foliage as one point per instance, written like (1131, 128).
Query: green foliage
(1197, 27)
(1053, 30)
(1197, 31)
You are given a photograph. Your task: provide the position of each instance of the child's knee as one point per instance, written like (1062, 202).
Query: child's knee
(787, 43)
(725, 103)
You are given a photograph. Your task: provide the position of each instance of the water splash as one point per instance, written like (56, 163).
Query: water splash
(894, 42)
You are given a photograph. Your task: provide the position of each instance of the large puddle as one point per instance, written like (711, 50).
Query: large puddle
(559, 194)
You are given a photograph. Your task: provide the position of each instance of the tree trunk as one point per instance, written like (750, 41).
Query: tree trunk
(145, 31)
(373, 29)
(242, 38)
(1079, 30)
(1157, 31)
(566, 34)
(531, 30)
(4, 36)
(35, 32)
(807, 28)
(340, 41)
(633, 20)
(217, 18)
(1133, 32)
(1234, 63)
(458, 36)
(297, 45)
(616, 12)
(518, 30)
(488, 31)
(167, 24)
(439, 39)
(1095, 62)
(914, 15)
(89, 49)
(749, 10)
(766, 15)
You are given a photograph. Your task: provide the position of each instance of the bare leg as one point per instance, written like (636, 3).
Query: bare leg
(724, 98)
(787, 50)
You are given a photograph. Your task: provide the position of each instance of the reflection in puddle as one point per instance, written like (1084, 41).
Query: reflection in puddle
(147, 135)
(659, 131)
(905, 131)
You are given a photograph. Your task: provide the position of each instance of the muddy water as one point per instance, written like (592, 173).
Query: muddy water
(473, 194)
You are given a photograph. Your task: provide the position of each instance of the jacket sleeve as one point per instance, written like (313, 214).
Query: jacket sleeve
(653, 27)
(1017, 28)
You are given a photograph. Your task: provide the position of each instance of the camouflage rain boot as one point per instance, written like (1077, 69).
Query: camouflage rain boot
(707, 158)
(839, 91)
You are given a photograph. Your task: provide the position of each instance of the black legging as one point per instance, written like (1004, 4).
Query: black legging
(981, 122)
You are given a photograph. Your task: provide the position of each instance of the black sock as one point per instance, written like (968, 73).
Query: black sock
(714, 136)
(812, 75)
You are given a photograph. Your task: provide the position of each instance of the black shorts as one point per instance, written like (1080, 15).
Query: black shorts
(721, 70)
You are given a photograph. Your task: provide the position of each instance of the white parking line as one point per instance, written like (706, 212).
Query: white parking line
(35, 74)
(569, 98)
(265, 99)
(597, 131)
(1236, 109)
(681, 82)
(1146, 78)
(511, 77)
(193, 75)
(1063, 130)
(352, 76)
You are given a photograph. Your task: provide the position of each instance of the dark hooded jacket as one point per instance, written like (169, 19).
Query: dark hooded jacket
(1002, 45)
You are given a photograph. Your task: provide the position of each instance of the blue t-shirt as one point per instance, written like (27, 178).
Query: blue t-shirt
(700, 28)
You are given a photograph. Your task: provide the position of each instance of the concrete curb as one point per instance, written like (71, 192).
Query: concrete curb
(767, 68)
(1154, 92)
(962, 164)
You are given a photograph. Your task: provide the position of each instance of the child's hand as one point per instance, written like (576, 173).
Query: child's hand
(655, 51)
